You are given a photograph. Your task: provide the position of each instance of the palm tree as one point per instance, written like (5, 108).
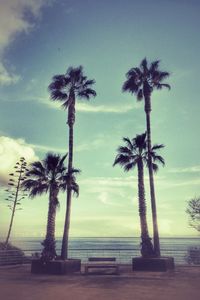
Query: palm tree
(49, 176)
(135, 154)
(67, 88)
(141, 81)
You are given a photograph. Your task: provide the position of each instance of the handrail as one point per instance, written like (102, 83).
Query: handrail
(123, 255)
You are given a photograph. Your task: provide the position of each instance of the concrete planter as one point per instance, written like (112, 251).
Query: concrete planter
(157, 264)
(56, 267)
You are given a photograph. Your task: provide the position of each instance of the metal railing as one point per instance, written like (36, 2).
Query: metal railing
(123, 255)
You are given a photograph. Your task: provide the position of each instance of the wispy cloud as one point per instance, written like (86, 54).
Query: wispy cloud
(192, 169)
(7, 78)
(85, 107)
(90, 145)
(43, 148)
(97, 182)
(119, 109)
(13, 22)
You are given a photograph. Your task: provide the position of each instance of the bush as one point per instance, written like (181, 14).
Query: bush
(10, 255)
(193, 256)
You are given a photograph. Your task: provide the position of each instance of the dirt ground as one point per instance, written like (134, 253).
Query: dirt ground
(17, 283)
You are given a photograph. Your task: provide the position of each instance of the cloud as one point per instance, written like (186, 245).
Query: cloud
(7, 78)
(193, 169)
(90, 145)
(10, 152)
(12, 22)
(106, 182)
(119, 109)
(43, 148)
(166, 226)
(111, 196)
(104, 226)
(85, 107)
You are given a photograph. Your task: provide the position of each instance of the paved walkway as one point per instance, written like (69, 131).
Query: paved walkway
(17, 283)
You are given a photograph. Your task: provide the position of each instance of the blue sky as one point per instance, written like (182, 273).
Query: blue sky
(39, 39)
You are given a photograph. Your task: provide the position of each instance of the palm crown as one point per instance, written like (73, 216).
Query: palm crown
(135, 150)
(72, 84)
(48, 173)
(141, 81)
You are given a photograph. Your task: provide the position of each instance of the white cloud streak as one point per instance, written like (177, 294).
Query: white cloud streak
(109, 182)
(85, 107)
(192, 169)
(43, 148)
(119, 109)
(7, 78)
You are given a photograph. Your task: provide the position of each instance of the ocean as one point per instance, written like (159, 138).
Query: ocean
(184, 250)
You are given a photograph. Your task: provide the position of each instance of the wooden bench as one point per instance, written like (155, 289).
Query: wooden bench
(102, 263)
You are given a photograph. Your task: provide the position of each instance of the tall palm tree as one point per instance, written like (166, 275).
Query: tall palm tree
(135, 154)
(49, 176)
(67, 88)
(141, 81)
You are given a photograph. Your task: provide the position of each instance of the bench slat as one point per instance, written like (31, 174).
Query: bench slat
(101, 258)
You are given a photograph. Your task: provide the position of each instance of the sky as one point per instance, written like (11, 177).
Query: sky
(42, 38)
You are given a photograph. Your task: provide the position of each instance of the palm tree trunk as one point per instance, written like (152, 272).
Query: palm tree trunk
(151, 179)
(146, 245)
(71, 120)
(49, 251)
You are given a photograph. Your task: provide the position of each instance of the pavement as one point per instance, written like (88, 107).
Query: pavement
(17, 283)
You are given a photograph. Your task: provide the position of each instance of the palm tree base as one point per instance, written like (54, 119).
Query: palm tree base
(55, 267)
(152, 264)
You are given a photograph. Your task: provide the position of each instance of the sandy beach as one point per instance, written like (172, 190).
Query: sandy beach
(18, 283)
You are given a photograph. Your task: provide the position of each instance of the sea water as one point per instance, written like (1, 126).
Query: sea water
(184, 250)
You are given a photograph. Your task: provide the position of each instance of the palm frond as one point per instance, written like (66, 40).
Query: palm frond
(57, 95)
(155, 167)
(36, 173)
(75, 171)
(160, 86)
(130, 166)
(86, 93)
(144, 65)
(130, 86)
(128, 142)
(124, 150)
(121, 159)
(88, 82)
(139, 142)
(140, 95)
(75, 188)
(58, 83)
(61, 161)
(75, 73)
(159, 76)
(154, 66)
(158, 158)
(65, 104)
(35, 187)
(143, 79)
(157, 147)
